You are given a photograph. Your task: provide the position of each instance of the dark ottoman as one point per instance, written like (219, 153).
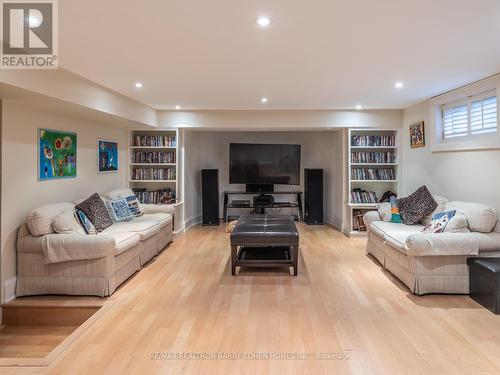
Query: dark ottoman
(484, 282)
(275, 234)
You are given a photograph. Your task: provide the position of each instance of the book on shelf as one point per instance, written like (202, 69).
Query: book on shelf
(155, 196)
(156, 174)
(373, 157)
(153, 157)
(372, 174)
(373, 140)
(362, 196)
(154, 140)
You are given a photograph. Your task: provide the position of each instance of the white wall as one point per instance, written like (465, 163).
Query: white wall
(462, 175)
(320, 149)
(20, 189)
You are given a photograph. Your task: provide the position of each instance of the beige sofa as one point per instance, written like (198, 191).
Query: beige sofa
(434, 262)
(84, 264)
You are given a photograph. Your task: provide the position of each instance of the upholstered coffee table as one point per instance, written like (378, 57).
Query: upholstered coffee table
(265, 241)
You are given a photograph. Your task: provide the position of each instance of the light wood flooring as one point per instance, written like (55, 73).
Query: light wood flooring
(341, 302)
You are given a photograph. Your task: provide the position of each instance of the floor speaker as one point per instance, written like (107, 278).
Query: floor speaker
(210, 196)
(313, 196)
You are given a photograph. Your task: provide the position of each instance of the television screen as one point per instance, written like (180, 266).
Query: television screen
(264, 164)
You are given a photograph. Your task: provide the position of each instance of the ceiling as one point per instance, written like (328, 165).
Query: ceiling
(317, 54)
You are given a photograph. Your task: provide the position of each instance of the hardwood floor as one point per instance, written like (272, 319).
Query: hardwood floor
(341, 302)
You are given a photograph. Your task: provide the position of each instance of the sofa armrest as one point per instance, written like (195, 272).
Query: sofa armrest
(371, 216)
(150, 208)
(436, 244)
(71, 247)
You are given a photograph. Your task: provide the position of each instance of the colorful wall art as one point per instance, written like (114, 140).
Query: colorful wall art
(56, 154)
(107, 158)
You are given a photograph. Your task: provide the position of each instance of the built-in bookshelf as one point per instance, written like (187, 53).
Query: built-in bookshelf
(373, 169)
(153, 165)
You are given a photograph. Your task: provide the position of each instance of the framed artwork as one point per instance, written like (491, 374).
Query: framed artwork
(417, 135)
(107, 156)
(56, 154)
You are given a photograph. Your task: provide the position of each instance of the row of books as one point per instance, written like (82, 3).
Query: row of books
(372, 174)
(153, 140)
(153, 174)
(363, 196)
(357, 220)
(373, 157)
(153, 157)
(373, 140)
(155, 196)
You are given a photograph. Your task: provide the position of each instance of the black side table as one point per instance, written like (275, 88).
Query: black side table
(484, 282)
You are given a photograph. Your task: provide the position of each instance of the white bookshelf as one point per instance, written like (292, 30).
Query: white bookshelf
(373, 161)
(153, 184)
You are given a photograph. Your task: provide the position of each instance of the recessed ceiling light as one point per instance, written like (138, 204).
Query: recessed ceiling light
(177, 107)
(358, 107)
(263, 21)
(398, 85)
(139, 85)
(264, 100)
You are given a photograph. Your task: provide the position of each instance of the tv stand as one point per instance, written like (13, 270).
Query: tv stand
(296, 204)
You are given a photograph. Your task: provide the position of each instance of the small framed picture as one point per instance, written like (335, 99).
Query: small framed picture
(417, 135)
(107, 156)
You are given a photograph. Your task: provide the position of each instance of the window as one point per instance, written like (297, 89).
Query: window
(477, 115)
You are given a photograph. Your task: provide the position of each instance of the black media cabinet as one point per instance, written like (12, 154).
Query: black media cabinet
(297, 204)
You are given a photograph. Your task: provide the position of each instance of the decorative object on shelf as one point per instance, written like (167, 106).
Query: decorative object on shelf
(56, 154)
(387, 196)
(155, 196)
(156, 174)
(372, 174)
(373, 140)
(359, 195)
(417, 135)
(153, 157)
(377, 157)
(107, 156)
(154, 141)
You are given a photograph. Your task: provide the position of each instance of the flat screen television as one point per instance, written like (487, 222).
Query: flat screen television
(264, 164)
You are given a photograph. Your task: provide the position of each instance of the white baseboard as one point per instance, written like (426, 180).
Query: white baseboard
(9, 289)
(192, 221)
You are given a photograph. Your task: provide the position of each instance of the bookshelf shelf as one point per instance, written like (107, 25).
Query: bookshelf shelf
(153, 165)
(373, 169)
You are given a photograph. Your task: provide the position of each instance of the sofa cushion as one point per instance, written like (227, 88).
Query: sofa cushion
(441, 201)
(145, 229)
(441, 244)
(416, 206)
(96, 211)
(39, 220)
(457, 224)
(66, 223)
(163, 219)
(384, 210)
(439, 222)
(123, 240)
(135, 205)
(481, 218)
(395, 234)
(84, 221)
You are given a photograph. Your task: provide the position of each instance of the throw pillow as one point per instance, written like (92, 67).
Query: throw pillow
(119, 210)
(395, 215)
(416, 206)
(441, 201)
(96, 211)
(85, 222)
(439, 222)
(67, 223)
(384, 210)
(134, 205)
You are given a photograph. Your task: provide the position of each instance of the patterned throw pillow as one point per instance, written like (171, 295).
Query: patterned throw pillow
(119, 210)
(439, 222)
(134, 205)
(97, 213)
(395, 216)
(85, 222)
(416, 206)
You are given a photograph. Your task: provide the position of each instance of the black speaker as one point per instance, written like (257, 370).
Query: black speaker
(210, 196)
(313, 185)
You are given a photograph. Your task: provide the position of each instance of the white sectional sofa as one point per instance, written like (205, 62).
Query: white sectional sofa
(434, 262)
(85, 264)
